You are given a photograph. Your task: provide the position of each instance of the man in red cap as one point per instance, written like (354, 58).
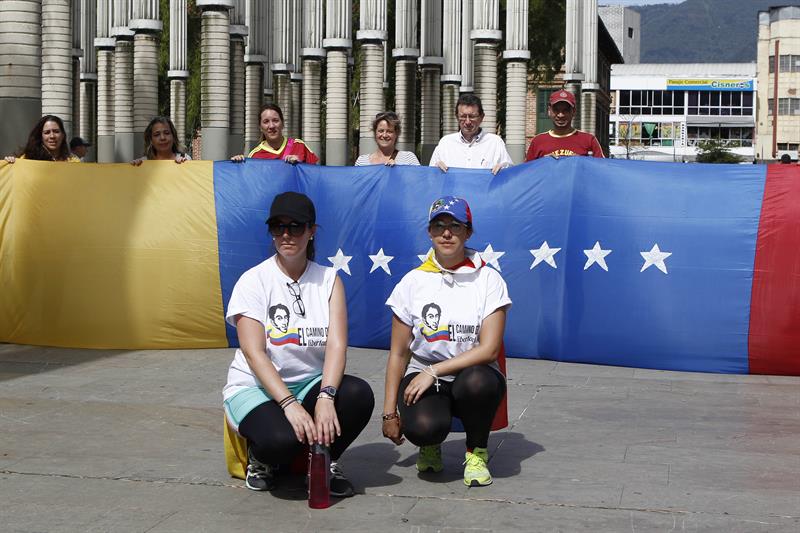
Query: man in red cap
(563, 139)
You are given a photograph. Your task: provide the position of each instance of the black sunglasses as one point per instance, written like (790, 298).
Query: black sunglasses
(295, 229)
(438, 227)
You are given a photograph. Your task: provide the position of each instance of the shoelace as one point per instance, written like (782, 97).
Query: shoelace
(474, 460)
(336, 471)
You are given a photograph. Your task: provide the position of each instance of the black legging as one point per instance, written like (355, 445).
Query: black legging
(272, 439)
(473, 397)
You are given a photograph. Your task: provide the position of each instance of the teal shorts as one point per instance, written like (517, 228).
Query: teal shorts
(240, 404)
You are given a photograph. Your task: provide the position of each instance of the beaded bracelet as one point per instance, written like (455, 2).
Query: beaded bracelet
(390, 416)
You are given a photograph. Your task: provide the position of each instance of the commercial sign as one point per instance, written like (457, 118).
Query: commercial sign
(700, 84)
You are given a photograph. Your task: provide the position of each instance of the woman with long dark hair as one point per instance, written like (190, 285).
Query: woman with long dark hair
(47, 141)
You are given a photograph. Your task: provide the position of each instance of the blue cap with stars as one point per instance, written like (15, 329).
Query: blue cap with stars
(458, 208)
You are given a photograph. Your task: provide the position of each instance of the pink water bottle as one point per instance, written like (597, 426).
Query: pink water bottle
(319, 477)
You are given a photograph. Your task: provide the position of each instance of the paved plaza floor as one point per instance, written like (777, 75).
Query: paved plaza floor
(99, 440)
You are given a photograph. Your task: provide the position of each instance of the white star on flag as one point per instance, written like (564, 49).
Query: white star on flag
(424, 256)
(380, 260)
(655, 257)
(596, 255)
(491, 257)
(544, 254)
(339, 261)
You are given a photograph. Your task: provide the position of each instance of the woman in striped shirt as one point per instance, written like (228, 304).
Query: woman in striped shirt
(386, 127)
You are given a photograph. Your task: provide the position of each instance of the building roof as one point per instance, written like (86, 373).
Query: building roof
(738, 70)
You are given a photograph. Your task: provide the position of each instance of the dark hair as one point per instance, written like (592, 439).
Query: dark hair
(786, 159)
(149, 151)
(35, 149)
(273, 107)
(428, 306)
(390, 117)
(274, 309)
(469, 99)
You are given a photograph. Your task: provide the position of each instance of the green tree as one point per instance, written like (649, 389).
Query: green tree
(715, 151)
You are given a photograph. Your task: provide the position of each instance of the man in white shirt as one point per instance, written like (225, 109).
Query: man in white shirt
(470, 147)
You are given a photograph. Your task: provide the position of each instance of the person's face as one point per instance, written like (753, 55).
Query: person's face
(432, 318)
(561, 114)
(287, 244)
(281, 320)
(162, 139)
(469, 120)
(271, 125)
(385, 135)
(448, 236)
(52, 136)
(80, 151)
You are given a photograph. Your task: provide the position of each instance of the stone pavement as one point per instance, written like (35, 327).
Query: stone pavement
(98, 440)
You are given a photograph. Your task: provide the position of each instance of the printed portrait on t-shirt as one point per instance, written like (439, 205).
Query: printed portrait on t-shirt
(431, 318)
(279, 317)
(278, 331)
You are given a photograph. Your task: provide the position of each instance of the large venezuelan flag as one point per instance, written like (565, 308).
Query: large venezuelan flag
(655, 265)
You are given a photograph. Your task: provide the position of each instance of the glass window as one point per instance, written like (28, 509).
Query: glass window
(726, 99)
(794, 106)
(783, 106)
(625, 98)
(636, 97)
(693, 98)
(736, 98)
(770, 106)
(715, 98)
(771, 64)
(705, 98)
(692, 110)
(747, 99)
(785, 63)
(678, 97)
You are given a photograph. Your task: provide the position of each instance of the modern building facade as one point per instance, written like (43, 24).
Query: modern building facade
(625, 27)
(661, 111)
(778, 130)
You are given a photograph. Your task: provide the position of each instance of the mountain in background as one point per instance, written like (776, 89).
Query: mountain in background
(702, 31)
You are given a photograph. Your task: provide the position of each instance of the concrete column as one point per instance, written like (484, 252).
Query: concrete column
(147, 27)
(486, 34)
(372, 34)
(123, 81)
(105, 44)
(451, 71)
(57, 61)
(88, 77)
(312, 54)
(573, 52)
(215, 77)
(123, 100)
(236, 135)
(269, 53)
(178, 71)
(282, 65)
(467, 50)
(238, 33)
(516, 56)
(338, 44)
(405, 55)
(589, 87)
(77, 54)
(21, 74)
(295, 120)
(254, 58)
(431, 62)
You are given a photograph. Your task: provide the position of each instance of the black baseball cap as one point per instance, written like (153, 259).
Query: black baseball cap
(77, 141)
(294, 205)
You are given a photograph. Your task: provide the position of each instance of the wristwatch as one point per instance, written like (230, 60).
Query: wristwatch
(330, 390)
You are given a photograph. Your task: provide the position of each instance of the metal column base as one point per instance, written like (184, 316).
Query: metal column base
(105, 148)
(336, 152)
(123, 147)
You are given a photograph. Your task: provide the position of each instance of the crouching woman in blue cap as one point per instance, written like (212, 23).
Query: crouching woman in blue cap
(286, 385)
(448, 319)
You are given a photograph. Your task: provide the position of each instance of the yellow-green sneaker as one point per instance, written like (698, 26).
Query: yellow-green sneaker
(430, 458)
(476, 471)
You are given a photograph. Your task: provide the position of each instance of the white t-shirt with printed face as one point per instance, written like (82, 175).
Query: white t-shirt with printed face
(295, 343)
(445, 317)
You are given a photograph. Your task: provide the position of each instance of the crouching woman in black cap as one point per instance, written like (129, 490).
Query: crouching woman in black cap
(286, 385)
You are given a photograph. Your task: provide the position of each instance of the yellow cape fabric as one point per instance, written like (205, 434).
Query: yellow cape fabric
(109, 255)
(235, 451)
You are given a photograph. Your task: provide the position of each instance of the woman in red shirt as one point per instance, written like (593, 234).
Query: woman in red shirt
(273, 144)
